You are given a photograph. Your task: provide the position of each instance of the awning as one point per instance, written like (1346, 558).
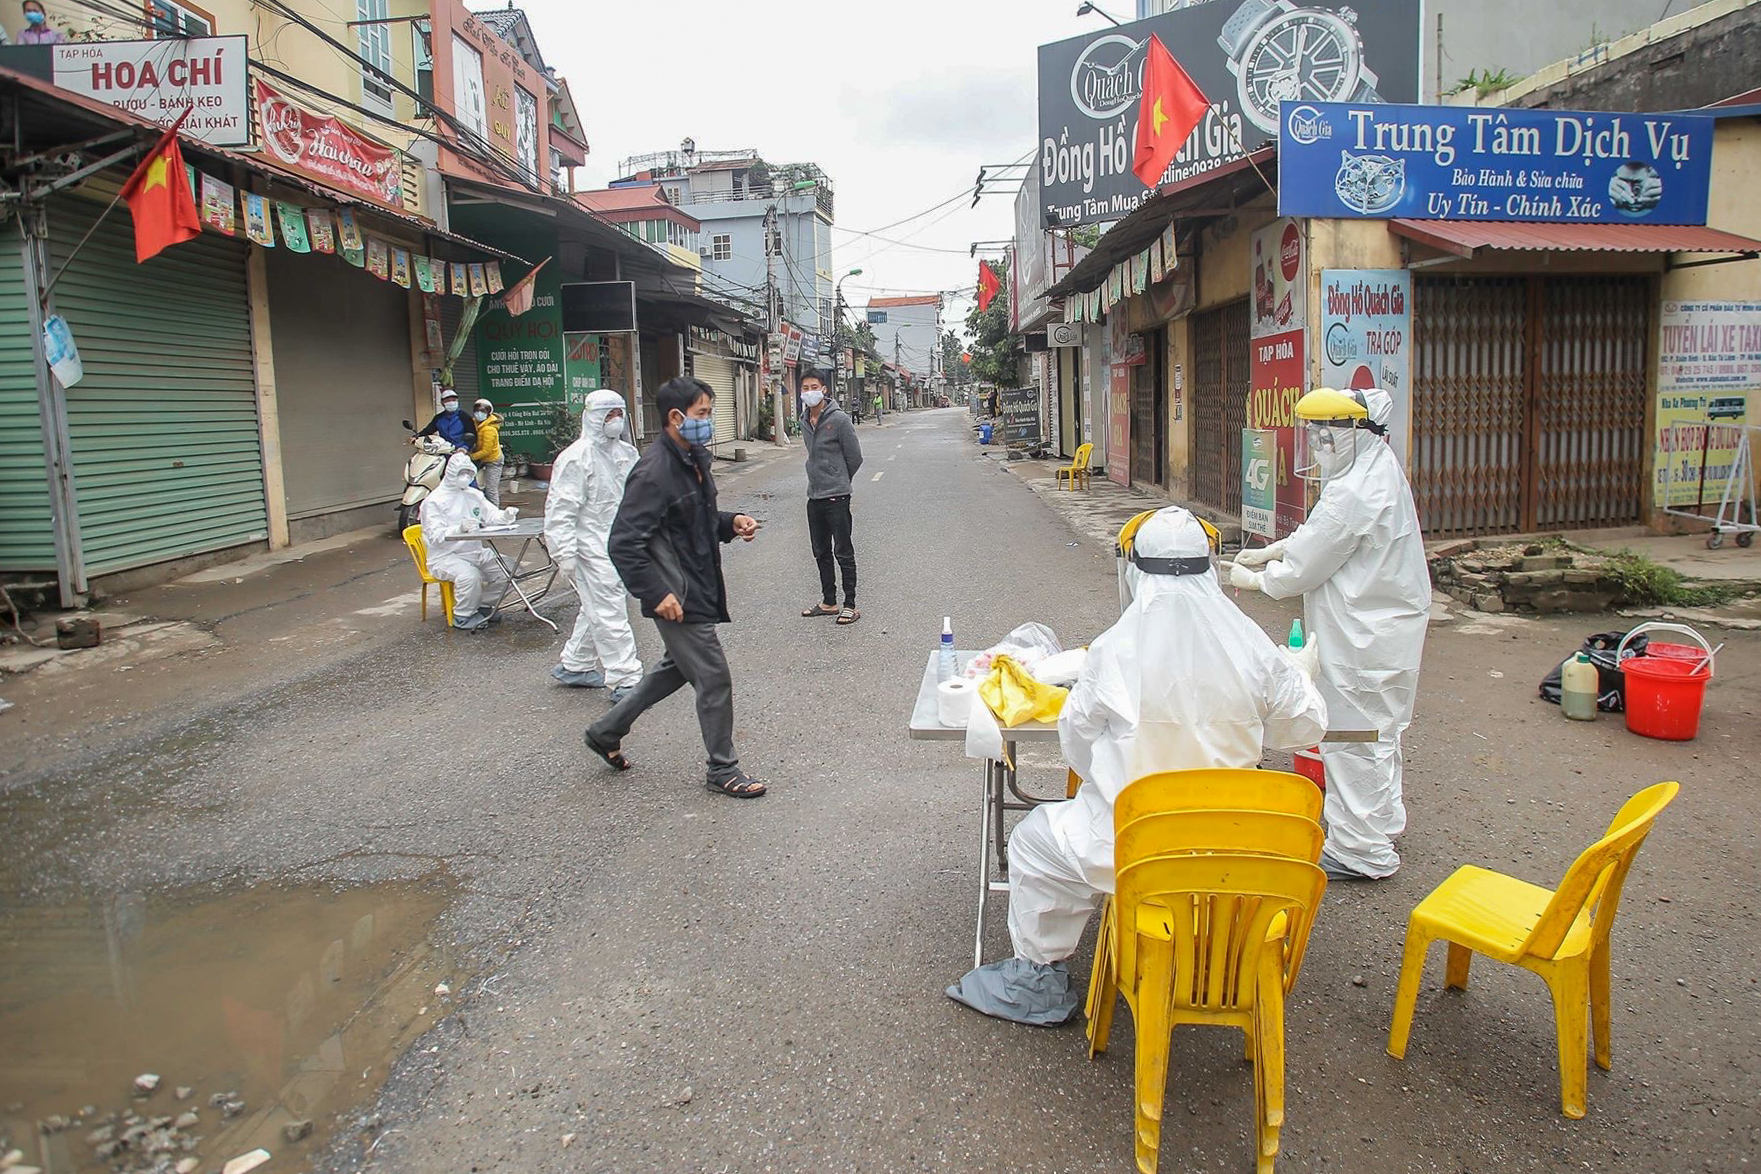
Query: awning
(1464, 238)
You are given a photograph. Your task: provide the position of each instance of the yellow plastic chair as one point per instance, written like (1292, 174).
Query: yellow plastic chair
(1076, 472)
(419, 552)
(1197, 944)
(1561, 935)
(1226, 788)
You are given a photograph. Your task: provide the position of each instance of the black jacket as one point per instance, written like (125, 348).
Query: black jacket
(668, 535)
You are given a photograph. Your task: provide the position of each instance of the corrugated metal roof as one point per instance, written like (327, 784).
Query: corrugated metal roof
(1466, 238)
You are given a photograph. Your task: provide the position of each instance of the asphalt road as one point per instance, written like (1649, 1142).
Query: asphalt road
(683, 981)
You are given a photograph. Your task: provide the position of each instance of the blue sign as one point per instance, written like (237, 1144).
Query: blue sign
(1351, 161)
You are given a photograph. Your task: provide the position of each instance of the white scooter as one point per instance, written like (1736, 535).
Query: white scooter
(422, 474)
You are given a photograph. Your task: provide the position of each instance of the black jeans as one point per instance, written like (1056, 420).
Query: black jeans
(694, 656)
(828, 523)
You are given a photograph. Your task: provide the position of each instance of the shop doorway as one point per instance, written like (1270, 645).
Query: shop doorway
(1529, 402)
(1149, 413)
(1221, 353)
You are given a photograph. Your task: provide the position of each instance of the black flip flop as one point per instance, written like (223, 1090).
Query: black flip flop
(738, 786)
(610, 755)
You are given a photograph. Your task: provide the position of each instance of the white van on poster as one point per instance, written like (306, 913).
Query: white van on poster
(1366, 339)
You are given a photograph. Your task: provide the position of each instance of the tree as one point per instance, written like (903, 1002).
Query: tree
(996, 354)
(956, 370)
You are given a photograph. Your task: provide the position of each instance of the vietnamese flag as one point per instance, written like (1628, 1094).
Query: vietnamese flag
(160, 199)
(988, 285)
(1170, 108)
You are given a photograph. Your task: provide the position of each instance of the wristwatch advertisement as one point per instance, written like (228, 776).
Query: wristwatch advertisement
(1282, 52)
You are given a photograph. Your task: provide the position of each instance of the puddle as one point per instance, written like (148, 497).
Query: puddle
(297, 1000)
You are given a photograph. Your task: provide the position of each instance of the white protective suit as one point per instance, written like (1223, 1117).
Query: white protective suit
(470, 566)
(1359, 564)
(1184, 680)
(586, 488)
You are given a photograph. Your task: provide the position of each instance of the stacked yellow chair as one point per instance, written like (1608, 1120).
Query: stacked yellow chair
(419, 552)
(1560, 934)
(1216, 891)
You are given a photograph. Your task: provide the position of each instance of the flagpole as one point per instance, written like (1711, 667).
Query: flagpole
(170, 133)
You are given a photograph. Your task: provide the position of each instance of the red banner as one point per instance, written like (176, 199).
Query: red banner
(326, 148)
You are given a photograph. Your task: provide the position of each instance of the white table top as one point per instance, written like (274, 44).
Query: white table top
(518, 528)
(1344, 722)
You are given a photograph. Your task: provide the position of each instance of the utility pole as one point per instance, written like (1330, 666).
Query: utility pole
(778, 431)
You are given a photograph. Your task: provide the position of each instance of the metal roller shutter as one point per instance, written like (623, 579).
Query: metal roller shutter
(464, 372)
(719, 374)
(27, 529)
(167, 458)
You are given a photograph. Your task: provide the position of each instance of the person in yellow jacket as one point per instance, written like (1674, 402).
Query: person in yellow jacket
(487, 455)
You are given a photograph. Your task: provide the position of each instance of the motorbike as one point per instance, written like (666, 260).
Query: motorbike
(421, 475)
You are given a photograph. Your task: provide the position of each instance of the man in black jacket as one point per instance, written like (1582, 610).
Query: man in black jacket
(666, 544)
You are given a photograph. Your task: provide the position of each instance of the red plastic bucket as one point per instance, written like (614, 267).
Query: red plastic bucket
(1687, 652)
(1664, 696)
(1309, 766)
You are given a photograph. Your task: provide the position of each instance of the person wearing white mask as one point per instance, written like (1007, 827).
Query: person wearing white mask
(1183, 681)
(487, 454)
(833, 457)
(454, 507)
(1359, 564)
(586, 488)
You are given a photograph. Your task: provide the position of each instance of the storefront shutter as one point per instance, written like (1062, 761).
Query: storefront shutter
(719, 374)
(464, 372)
(27, 535)
(167, 459)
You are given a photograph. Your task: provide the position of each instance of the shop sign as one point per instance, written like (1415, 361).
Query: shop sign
(1349, 160)
(1020, 408)
(1278, 366)
(521, 363)
(327, 149)
(1118, 404)
(1366, 338)
(158, 80)
(1259, 481)
(582, 368)
(1708, 371)
(1245, 56)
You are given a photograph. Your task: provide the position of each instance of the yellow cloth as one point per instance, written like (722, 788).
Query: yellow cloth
(488, 440)
(1016, 697)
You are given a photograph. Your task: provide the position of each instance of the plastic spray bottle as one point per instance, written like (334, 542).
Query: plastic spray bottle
(946, 664)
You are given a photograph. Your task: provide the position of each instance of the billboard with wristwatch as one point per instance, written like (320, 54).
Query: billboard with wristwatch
(1247, 56)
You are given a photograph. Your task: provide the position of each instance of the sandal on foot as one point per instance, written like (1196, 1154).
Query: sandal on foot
(819, 609)
(848, 616)
(740, 786)
(610, 755)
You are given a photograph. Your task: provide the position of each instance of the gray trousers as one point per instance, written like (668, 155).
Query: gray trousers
(489, 480)
(694, 656)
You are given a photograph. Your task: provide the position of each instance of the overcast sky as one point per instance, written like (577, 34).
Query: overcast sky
(899, 103)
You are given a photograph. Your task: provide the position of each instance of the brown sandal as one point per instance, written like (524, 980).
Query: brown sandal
(848, 616)
(819, 609)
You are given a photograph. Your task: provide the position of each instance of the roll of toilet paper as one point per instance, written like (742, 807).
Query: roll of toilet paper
(954, 702)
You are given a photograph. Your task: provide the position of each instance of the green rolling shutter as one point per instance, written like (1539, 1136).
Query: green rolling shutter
(27, 537)
(167, 458)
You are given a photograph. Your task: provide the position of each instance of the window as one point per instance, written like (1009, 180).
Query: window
(422, 46)
(373, 43)
(167, 18)
(526, 132)
(672, 195)
(556, 169)
(469, 105)
(721, 247)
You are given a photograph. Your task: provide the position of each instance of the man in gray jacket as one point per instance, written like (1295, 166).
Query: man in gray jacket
(833, 456)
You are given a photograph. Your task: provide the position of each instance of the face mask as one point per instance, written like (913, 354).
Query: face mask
(33, 18)
(613, 427)
(479, 416)
(812, 398)
(697, 432)
(449, 405)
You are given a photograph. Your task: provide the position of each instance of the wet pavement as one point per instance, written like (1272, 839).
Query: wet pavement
(664, 979)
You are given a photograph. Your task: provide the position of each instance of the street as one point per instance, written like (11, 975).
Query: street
(640, 975)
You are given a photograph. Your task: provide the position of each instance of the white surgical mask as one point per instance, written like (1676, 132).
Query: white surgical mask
(812, 398)
(613, 427)
(479, 416)
(449, 405)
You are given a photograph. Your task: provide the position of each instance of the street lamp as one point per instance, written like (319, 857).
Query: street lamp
(838, 319)
(1088, 8)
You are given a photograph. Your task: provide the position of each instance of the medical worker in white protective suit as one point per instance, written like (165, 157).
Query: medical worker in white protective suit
(1182, 681)
(470, 566)
(586, 487)
(1359, 564)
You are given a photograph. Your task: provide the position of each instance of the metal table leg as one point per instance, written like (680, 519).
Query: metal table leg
(984, 862)
(513, 580)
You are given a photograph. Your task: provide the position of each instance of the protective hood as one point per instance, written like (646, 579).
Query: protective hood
(460, 472)
(1381, 406)
(1172, 544)
(587, 481)
(600, 405)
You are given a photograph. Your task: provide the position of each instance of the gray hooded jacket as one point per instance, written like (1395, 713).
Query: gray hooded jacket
(833, 453)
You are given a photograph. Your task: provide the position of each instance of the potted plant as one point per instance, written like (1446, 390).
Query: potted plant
(564, 428)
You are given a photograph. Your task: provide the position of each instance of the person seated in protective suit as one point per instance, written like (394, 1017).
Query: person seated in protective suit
(455, 506)
(1182, 681)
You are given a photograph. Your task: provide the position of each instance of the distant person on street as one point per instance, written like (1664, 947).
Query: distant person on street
(877, 409)
(833, 456)
(666, 543)
(451, 424)
(586, 489)
(37, 29)
(487, 455)
(454, 508)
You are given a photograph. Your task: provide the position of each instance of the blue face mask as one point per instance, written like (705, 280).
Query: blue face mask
(697, 432)
(33, 18)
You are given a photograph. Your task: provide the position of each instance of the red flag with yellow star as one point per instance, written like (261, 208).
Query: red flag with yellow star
(1170, 108)
(159, 197)
(988, 286)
